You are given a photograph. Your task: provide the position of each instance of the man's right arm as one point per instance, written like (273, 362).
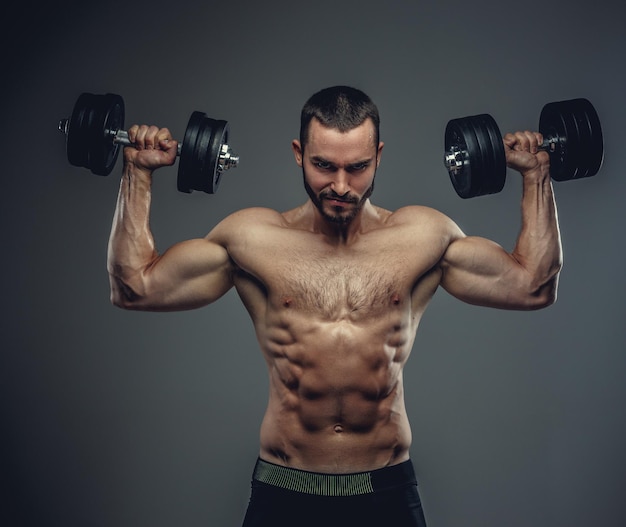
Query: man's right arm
(189, 274)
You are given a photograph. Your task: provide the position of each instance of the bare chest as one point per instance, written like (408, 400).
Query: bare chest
(336, 288)
(332, 284)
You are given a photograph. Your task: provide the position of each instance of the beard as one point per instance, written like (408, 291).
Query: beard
(336, 215)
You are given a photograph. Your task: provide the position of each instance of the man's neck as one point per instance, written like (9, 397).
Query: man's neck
(339, 233)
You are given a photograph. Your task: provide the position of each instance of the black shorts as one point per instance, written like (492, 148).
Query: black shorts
(286, 497)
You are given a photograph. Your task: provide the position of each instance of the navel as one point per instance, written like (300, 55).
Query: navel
(338, 429)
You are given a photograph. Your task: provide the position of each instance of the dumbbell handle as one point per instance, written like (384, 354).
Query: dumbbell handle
(120, 137)
(226, 159)
(455, 157)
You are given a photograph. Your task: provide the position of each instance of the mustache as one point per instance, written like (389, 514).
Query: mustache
(330, 194)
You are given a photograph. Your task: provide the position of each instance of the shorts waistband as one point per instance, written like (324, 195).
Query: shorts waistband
(321, 484)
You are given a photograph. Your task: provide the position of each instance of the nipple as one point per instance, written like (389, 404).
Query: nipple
(395, 299)
(287, 301)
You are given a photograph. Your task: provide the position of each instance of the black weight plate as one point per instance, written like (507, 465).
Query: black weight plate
(87, 144)
(499, 173)
(77, 143)
(490, 140)
(195, 145)
(572, 160)
(458, 134)
(558, 122)
(186, 168)
(581, 149)
(591, 144)
(483, 177)
(212, 172)
(578, 118)
(199, 159)
(108, 116)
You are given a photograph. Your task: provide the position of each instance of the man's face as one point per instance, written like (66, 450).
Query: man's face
(339, 168)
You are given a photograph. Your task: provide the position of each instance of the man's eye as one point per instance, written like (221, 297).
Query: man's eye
(324, 165)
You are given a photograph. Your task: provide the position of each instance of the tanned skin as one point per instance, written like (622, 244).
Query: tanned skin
(335, 287)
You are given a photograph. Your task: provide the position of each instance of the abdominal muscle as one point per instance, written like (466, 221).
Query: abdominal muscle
(336, 399)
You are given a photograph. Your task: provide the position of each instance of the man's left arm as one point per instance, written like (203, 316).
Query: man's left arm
(481, 272)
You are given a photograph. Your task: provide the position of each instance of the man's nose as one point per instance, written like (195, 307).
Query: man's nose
(341, 183)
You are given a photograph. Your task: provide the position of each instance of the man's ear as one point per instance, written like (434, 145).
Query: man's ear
(297, 151)
(379, 153)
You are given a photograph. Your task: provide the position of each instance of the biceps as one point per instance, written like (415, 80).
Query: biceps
(188, 275)
(481, 272)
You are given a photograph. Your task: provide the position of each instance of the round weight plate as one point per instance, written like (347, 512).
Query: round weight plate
(499, 173)
(108, 116)
(212, 169)
(578, 118)
(459, 136)
(194, 150)
(490, 140)
(558, 124)
(484, 143)
(199, 158)
(77, 144)
(205, 157)
(188, 168)
(591, 143)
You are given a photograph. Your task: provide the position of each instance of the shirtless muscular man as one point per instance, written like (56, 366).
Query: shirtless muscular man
(335, 288)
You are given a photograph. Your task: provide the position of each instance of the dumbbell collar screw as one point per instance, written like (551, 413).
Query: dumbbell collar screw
(454, 159)
(227, 158)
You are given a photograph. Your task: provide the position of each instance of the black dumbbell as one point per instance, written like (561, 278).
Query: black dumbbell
(94, 133)
(475, 158)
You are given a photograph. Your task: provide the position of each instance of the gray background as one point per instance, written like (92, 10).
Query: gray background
(119, 419)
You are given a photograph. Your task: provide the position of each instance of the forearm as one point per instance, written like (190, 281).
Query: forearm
(538, 247)
(131, 244)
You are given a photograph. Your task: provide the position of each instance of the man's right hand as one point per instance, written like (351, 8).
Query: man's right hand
(152, 148)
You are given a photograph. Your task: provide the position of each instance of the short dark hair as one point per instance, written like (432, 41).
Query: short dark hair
(340, 107)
